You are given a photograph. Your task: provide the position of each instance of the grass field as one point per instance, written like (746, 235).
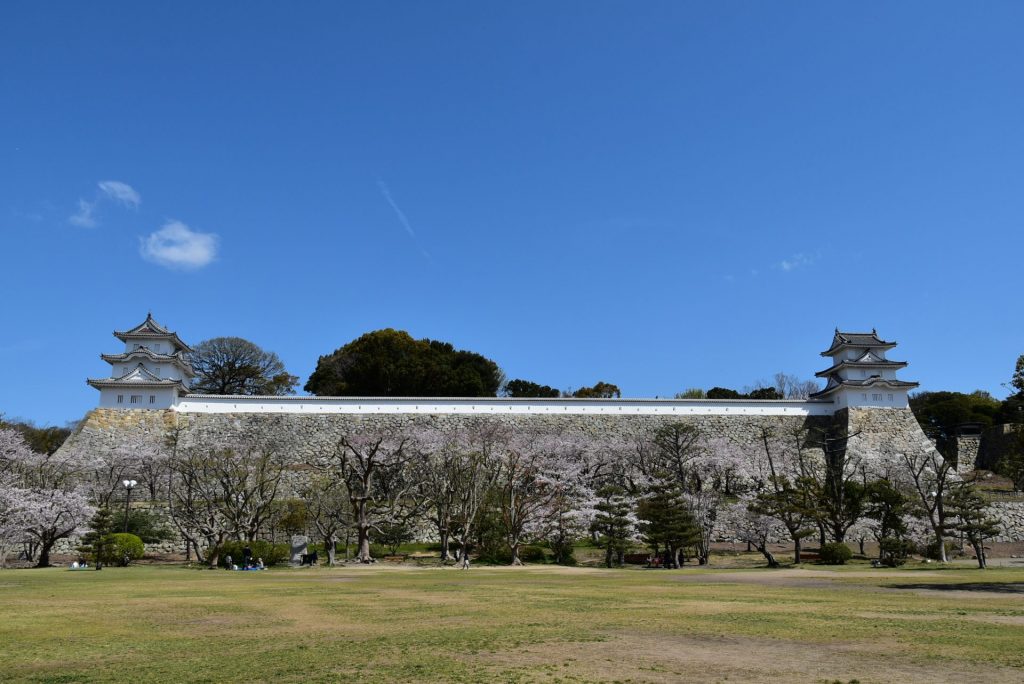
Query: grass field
(533, 624)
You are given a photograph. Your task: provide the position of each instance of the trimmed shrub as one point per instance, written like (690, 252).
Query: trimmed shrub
(144, 523)
(377, 550)
(835, 553)
(895, 551)
(120, 548)
(495, 555)
(532, 554)
(272, 554)
(567, 559)
(932, 550)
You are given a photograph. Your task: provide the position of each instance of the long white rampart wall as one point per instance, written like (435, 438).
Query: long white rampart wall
(204, 403)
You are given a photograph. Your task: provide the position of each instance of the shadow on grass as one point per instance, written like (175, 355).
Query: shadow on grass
(996, 587)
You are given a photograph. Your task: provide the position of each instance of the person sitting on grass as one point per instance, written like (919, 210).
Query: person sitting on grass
(259, 564)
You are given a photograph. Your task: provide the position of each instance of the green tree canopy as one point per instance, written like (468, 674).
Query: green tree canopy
(601, 390)
(232, 365)
(765, 393)
(524, 389)
(939, 413)
(42, 440)
(391, 363)
(1017, 382)
(723, 393)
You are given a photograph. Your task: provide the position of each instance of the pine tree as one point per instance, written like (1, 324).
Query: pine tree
(95, 540)
(889, 507)
(970, 512)
(612, 523)
(666, 523)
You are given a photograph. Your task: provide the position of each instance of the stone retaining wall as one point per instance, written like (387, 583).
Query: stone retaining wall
(877, 436)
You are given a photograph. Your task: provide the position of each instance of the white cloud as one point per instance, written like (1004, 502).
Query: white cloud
(121, 192)
(176, 245)
(796, 261)
(83, 217)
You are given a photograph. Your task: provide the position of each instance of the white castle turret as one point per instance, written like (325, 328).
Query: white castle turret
(860, 375)
(151, 373)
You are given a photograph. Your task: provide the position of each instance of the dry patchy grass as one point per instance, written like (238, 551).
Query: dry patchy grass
(534, 624)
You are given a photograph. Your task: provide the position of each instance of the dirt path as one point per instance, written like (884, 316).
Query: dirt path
(657, 658)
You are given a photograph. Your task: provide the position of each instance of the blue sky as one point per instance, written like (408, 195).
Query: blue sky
(662, 196)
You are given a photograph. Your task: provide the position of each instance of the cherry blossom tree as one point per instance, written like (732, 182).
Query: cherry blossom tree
(536, 475)
(930, 475)
(743, 521)
(776, 470)
(328, 508)
(195, 503)
(42, 499)
(460, 469)
(50, 515)
(14, 521)
(373, 466)
(110, 467)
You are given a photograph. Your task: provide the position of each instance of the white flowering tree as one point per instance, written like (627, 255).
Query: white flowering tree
(776, 470)
(537, 475)
(42, 499)
(14, 521)
(50, 515)
(459, 469)
(742, 521)
(328, 509)
(374, 467)
(930, 477)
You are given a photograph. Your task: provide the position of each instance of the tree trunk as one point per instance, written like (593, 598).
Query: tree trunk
(514, 548)
(331, 546)
(979, 553)
(768, 556)
(608, 556)
(44, 553)
(363, 536)
(797, 547)
(942, 546)
(445, 553)
(675, 559)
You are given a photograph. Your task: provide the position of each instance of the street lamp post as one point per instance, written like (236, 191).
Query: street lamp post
(129, 485)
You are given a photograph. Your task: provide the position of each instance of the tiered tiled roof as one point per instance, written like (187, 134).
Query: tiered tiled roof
(177, 358)
(867, 360)
(149, 329)
(870, 343)
(138, 377)
(842, 340)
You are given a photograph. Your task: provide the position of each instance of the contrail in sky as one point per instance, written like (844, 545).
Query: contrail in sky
(402, 218)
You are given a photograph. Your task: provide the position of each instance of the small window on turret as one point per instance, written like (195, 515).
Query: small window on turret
(152, 398)
(120, 398)
(136, 399)
(890, 397)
